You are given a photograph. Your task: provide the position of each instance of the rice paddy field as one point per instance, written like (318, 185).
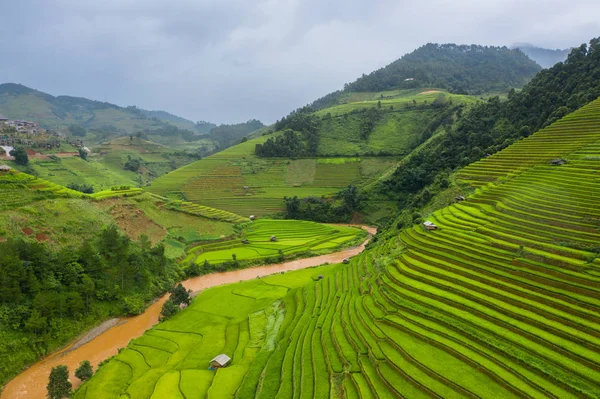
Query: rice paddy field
(237, 181)
(293, 237)
(501, 301)
(398, 99)
(36, 208)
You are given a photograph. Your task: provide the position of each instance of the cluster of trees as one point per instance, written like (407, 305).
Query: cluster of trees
(45, 294)
(458, 68)
(368, 120)
(179, 296)
(228, 135)
(490, 126)
(84, 188)
(325, 210)
(300, 138)
(20, 155)
(132, 164)
(59, 386)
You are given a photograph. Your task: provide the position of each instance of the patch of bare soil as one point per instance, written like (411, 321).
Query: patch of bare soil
(41, 237)
(27, 231)
(134, 222)
(429, 92)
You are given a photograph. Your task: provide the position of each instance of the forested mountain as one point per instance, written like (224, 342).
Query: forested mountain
(21, 102)
(490, 126)
(543, 56)
(96, 121)
(227, 135)
(459, 69)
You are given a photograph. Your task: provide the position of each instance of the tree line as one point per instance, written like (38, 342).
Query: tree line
(46, 295)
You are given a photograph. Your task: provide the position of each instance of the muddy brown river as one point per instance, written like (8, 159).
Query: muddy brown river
(31, 383)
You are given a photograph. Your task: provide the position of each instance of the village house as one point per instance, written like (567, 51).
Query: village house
(220, 361)
(429, 225)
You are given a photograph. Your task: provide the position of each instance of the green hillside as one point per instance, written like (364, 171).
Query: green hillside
(20, 102)
(459, 69)
(239, 181)
(95, 122)
(501, 300)
(219, 180)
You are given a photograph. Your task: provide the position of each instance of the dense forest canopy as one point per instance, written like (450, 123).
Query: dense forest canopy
(300, 137)
(44, 293)
(461, 69)
(490, 126)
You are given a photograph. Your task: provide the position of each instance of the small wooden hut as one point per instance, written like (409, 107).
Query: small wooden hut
(460, 198)
(273, 239)
(252, 217)
(5, 168)
(429, 225)
(220, 361)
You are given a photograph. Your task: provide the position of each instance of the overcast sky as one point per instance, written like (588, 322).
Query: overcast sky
(233, 60)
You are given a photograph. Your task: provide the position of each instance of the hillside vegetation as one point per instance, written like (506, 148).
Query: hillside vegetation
(69, 259)
(95, 122)
(490, 126)
(459, 69)
(500, 301)
(238, 181)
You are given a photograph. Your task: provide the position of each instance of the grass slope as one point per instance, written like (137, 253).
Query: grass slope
(502, 300)
(238, 181)
(219, 180)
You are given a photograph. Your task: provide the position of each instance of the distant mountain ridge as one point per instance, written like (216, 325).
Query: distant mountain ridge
(59, 112)
(543, 56)
(460, 69)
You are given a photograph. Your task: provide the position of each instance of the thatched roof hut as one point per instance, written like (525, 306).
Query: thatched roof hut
(273, 239)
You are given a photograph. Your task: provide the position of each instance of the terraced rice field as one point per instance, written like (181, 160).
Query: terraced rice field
(292, 237)
(17, 189)
(237, 181)
(501, 301)
(171, 360)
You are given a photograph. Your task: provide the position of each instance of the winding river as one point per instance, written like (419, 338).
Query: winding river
(100, 345)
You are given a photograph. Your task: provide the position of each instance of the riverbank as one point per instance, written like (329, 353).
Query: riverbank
(32, 382)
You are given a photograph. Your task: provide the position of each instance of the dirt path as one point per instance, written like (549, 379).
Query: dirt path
(104, 340)
(429, 92)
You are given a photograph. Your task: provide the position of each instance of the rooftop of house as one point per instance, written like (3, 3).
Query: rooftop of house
(222, 359)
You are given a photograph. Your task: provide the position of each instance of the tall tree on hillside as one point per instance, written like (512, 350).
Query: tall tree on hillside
(59, 385)
(20, 155)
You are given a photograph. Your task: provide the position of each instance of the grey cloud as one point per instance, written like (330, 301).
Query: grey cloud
(232, 60)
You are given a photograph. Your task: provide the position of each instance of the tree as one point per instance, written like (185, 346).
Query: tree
(180, 295)
(83, 154)
(20, 155)
(132, 164)
(59, 385)
(169, 309)
(84, 371)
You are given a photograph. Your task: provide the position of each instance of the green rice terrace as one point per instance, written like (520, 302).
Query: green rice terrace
(237, 181)
(276, 239)
(501, 299)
